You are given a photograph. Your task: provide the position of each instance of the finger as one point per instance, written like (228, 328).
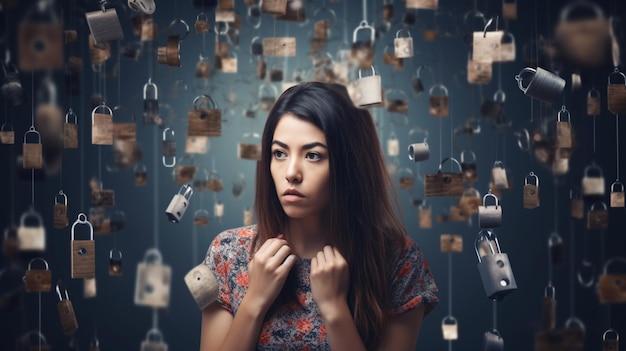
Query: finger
(288, 263)
(329, 252)
(280, 256)
(270, 247)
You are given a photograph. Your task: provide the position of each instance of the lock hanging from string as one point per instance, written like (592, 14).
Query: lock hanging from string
(494, 268)
(179, 204)
(38, 280)
(83, 252)
(66, 310)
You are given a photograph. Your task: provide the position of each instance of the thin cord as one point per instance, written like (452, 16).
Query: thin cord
(594, 137)
(571, 266)
(449, 283)
(39, 319)
(365, 10)
(495, 314)
(617, 140)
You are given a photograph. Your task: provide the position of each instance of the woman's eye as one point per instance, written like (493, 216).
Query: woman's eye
(313, 156)
(278, 154)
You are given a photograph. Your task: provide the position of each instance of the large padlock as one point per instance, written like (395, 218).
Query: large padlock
(498, 176)
(70, 131)
(104, 24)
(548, 308)
(438, 103)
(451, 243)
(492, 340)
(368, 90)
(179, 204)
(556, 249)
(40, 43)
(593, 182)
(169, 148)
(32, 153)
(570, 338)
(444, 184)
(152, 286)
(593, 102)
(83, 257)
(151, 104)
(486, 44)
(7, 137)
(612, 286)
(403, 46)
(490, 216)
(617, 194)
(563, 130)
(31, 237)
(38, 280)
(616, 94)
(154, 341)
(531, 191)
(450, 328)
(469, 167)
(494, 268)
(115, 263)
(66, 310)
(598, 219)
(609, 344)
(102, 126)
(202, 284)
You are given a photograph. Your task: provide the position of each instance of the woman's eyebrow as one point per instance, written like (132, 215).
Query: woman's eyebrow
(305, 146)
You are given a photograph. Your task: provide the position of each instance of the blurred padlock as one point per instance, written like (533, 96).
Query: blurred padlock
(90, 289)
(154, 341)
(7, 137)
(66, 310)
(32, 153)
(403, 46)
(593, 102)
(548, 308)
(104, 24)
(493, 341)
(425, 217)
(169, 148)
(598, 219)
(499, 177)
(593, 182)
(38, 280)
(102, 126)
(31, 237)
(438, 102)
(556, 248)
(617, 194)
(151, 104)
(451, 243)
(152, 286)
(611, 287)
(531, 191)
(563, 130)
(115, 263)
(70, 131)
(610, 344)
(450, 328)
(60, 219)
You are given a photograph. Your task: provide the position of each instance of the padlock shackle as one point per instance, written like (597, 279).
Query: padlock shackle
(203, 97)
(610, 261)
(565, 13)
(498, 164)
(616, 72)
(450, 159)
(175, 22)
(579, 276)
(608, 331)
(471, 192)
(440, 86)
(373, 72)
(82, 219)
(604, 207)
(61, 193)
(186, 191)
(561, 112)
(116, 250)
(617, 182)
(531, 175)
(523, 139)
(153, 252)
(58, 288)
(154, 332)
(449, 318)
(486, 237)
(593, 93)
(549, 291)
(165, 133)
(471, 153)
(491, 195)
(150, 84)
(6, 124)
(364, 25)
(419, 69)
(499, 96)
(30, 213)
(38, 259)
(577, 322)
(34, 131)
(403, 30)
(69, 113)
(102, 105)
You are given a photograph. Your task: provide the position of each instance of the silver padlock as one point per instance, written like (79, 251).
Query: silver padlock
(152, 286)
(169, 148)
(154, 341)
(593, 181)
(202, 284)
(151, 103)
(419, 151)
(494, 268)
(177, 207)
(146, 6)
(104, 24)
(368, 90)
(493, 341)
(450, 328)
(490, 216)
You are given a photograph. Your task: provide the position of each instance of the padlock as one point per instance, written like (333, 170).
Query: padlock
(616, 94)
(617, 194)
(492, 340)
(154, 341)
(32, 340)
(151, 104)
(450, 328)
(479, 72)
(531, 191)
(451, 243)
(104, 24)
(419, 151)
(140, 174)
(202, 25)
(32, 157)
(7, 137)
(249, 147)
(38, 280)
(388, 12)
(611, 286)
(149, 29)
(417, 83)
(368, 90)
(12, 89)
(509, 9)
(548, 308)
(507, 48)
(103, 198)
(83, 257)
(563, 130)
(31, 238)
(444, 184)
(498, 176)
(94, 345)
(205, 119)
(490, 216)
(403, 46)
(201, 218)
(169, 148)
(393, 145)
(494, 109)
(66, 310)
(98, 53)
(10, 242)
(196, 144)
(425, 216)
(40, 43)
(70, 131)
(494, 268)
(456, 214)
(218, 209)
(570, 338)
(60, 219)
(556, 249)
(609, 344)
(362, 51)
(90, 289)
(593, 182)
(248, 216)
(228, 63)
(115, 263)
(486, 44)
(396, 101)
(179, 204)
(470, 201)
(268, 93)
(214, 182)
(438, 104)
(152, 286)
(593, 102)
(202, 284)
(422, 4)
(598, 219)
(577, 205)
(102, 126)
(117, 220)
(99, 220)
(469, 167)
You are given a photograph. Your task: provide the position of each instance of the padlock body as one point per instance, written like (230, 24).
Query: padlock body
(548, 313)
(60, 219)
(493, 342)
(567, 339)
(31, 238)
(38, 280)
(83, 259)
(489, 217)
(450, 331)
(152, 286)
(115, 267)
(497, 275)
(177, 207)
(67, 317)
(612, 288)
(153, 346)
(531, 196)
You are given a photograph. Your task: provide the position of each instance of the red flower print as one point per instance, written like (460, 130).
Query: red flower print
(243, 279)
(304, 325)
(265, 337)
(405, 269)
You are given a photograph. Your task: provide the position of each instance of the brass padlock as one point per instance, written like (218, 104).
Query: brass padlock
(617, 194)
(102, 126)
(494, 267)
(490, 216)
(201, 218)
(202, 284)
(450, 328)
(152, 286)
(115, 263)
(593, 102)
(7, 137)
(451, 243)
(60, 219)
(563, 130)
(202, 23)
(170, 53)
(531, 191)
(104, 24)
(611, 286)
(203, 67)
(66, 310)
(154, 341)
(31, 238)
(438, 104)
(456, 214)
(609, 344)
(83, 257)
(403, 46)
(38, 280)
(70, 131)
(32, 157)
(103, 198)
(598, 219)
(548, 308)
(498, 176)
(151, 104)
(444, 184)
(425, 217)
(577, 205)
(616, 94)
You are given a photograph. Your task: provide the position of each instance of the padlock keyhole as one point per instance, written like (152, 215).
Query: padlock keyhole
(39, 45)
(82, 251)
(500, 263)
(504, 282)
(148, 289)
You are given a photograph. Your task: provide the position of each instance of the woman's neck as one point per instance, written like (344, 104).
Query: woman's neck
(306, 236)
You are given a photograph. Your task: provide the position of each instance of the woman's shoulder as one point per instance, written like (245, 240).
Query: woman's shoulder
(234, 240)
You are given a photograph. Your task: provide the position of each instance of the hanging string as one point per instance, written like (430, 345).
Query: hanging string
(155, 191)
(155, 318)
(449, 293)
(495, 314)
(119, 74)
(617, 142)
(572, 254)
(365, 10)
(39, 326)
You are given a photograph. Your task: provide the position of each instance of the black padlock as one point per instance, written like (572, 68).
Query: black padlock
(494, 268)
(493, 341)
(12, 88)
(609, 344)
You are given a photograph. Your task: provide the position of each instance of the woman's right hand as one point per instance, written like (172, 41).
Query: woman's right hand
(268, 271)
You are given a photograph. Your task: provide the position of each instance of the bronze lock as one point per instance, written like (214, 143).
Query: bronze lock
(66, 311)
(617, 196)
(203, 68)
(570, 338)
(593, 102)
(438, 104)
(70, 131)
(612, 286)
(563, 130)
(598, 219)
(115, 263)
(479, 72)
(509, 9)
(531, 192)
(425, 217)
(444, 184)
(83, 258)
(470, 200)
(577, 205)
(548, 308)
(38, 280)
(616, 94)
(610, 344)
(214, 183)
(32, 157)
(60, 219)
(149, 29)
(102, 126)
(40, 45)
(202, 25)
(170, 53)
(451, 243)
(456, 214)
(184, 174)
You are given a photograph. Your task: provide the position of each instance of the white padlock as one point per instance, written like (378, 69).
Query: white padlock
(179, 204)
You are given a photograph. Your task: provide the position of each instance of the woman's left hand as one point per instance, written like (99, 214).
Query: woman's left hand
(330, 280)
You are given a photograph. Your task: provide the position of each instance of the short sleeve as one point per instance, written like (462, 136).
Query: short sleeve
(219, 264)
(412, 282)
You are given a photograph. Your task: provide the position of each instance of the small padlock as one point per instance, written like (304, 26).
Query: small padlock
(202, 23)
(593, 182)
(179, 204)
(32, 157)
(115, 263)
(202, 284)
(451, 243)
(419, 151)
(27, 342)
(12, 89)
(403, 46)
(507, 48)
(531, 191)
(563, 130)
(456, 214)
(611, 286)
(154, 341)
(169, 148)
(60, 219)
(201, 218)
(494, 268)
(490, 216)
(368, 90)
(38, 280)
(593, 102)
(444, 183)
(170, 53)
(151, 104)
(598, 219)
(498, 176)
(214, 182)
(218, 209)
(203, 67)
(104, 24)
(95, 343)
(248, 216)
(7, 137)
(493, 341)
(83, 258)
(469, 167)
(152, 286)
(548, 308)
(140, 174)
(393, 145)
(577, 205)
(362, 51)
(102, 126)
(70, 131)
(66, 310)
(9, 242)
(470, 201)
(556, 249)
(438, 104)
(617, 195)
(450, 328)
(609, 344)
(31, 238)
(425, 216)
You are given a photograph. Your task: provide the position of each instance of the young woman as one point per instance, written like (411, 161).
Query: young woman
(329, 265)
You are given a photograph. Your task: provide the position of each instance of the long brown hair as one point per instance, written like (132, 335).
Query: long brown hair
(362, 211)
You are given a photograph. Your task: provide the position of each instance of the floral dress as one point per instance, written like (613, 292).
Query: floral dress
(300, 327)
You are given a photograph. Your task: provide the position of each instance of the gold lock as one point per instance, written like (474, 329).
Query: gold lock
(83, 258)
(60, 219)
(66, 311)
(38, 280)
(32, 157)
(617, 196)
(531, 192)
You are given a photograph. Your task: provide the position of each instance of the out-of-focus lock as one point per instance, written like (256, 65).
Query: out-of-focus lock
(403, 46)
(368, 90)
(498, 176)
(598, 218)
(9, 242)
(70, 131)
(201, 25)
(170, 53)
(451, 243)
(32, 153)
(438, 101)
(493, 341)
(154, 341)
(450, 328)
(38, 280)
(419, 151)
(490, 216)
(556, 248)
(66, 310)
(102, 126)
(470, 200)
(179, 204)
(83, 257)
(249, 147)
(548, 308)
(152, 286)
(214, 183)
(104, 24)
(115, 263)
(94, 345)
(31, 237)
(202, 284)
(469, 167)
(40, 39)
(90, 288)
(616, 94)
(169, 148)
(570, 338)
(393, 144)
(151, 103)
(593, 102)
(201, 218)
(531, 191)
(577, 205)
(617, 194)
(268, 93)
(7, 134)
(274, 7)
(30, 343)
(205, 119)
(610, 340)
(563, 130)
(444, 183)
(611, 286)
(59, 217)
(494, 268)
(362, 52)
(12, 87)
(146, 6)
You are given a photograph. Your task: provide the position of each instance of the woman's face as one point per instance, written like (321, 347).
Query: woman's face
(300, 167)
